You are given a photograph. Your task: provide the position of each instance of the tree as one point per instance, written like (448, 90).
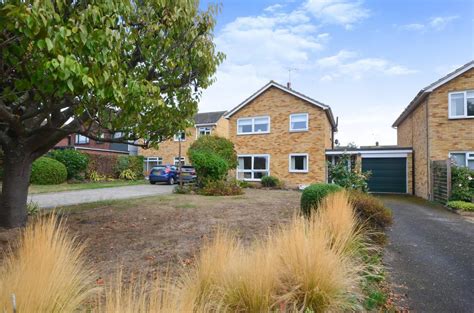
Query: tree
(221, 146)
(136, 68)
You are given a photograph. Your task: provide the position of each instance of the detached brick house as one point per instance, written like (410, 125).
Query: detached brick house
(280, 132)
(168, 153)
(439, 124)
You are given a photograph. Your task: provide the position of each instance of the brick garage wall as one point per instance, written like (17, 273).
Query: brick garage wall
(412, 132)
(280, 142)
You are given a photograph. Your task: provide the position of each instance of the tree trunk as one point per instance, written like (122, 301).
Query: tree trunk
(16, 178)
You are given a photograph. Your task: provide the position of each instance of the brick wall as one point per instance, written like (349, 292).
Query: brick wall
(280, 142)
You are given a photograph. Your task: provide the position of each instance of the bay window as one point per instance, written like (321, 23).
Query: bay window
(253, 167)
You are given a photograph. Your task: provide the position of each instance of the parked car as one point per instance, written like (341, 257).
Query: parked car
(188, 174)
(163, 173)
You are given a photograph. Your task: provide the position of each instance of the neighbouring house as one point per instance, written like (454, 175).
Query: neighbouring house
(87, 145)
(280, 132)
(439, 124)
(208, 123)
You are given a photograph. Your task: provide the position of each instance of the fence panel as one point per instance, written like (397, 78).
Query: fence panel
(441, 180)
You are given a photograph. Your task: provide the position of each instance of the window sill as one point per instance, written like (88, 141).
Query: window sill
(460, 117)
(245, 134)
(298, 130)
(298, 171)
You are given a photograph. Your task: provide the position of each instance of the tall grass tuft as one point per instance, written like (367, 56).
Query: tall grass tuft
(45, 272)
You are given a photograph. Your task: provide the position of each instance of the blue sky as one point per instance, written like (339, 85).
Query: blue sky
(366, 59)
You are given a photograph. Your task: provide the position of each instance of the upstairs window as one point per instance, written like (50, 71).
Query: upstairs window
(461, 104)
(253, 125)
(299, 122)
(204, 131)
(181, 136)
(82, 140)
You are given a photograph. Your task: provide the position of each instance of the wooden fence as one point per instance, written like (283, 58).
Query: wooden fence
(441, 180)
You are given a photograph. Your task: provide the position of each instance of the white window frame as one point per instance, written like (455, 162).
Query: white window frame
(453, 117)
(82, 142)
(253, 170)
(148, 160)
(253, 132)
(205, 128)
(176, 161)
(177, 138)
(303, 129)
(467, 156)
(294, 170)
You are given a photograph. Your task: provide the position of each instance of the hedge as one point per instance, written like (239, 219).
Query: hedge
(461, 205)
(313, 194)
(75, 161)
(102, 164)
(47, 171)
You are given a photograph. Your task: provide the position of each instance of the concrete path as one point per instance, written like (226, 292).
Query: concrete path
(431, 256)
(51, 200)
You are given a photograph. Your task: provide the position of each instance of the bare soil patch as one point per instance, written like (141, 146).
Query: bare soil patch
(161, 233)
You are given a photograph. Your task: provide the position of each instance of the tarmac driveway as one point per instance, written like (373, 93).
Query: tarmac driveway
(431, 256)
(56, 199)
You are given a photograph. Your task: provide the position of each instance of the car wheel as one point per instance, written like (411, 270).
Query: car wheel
(152, 182)
(171, 181)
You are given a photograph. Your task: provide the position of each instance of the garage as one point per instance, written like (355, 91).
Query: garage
(388, 174)
(391, 167)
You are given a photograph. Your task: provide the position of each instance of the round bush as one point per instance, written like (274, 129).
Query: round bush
(313, 194)
(370, 210)
(75, 161)
(223, 147)
(47, 171)
(270, 181)
(209, 166)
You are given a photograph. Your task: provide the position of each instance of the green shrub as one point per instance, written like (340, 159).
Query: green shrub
(75, 161)
(270, 181)
(223, 147)
(209, 166)
(340, 174)
(133, 163)
(32, 208)
(462, 182)
(47, 171)
(244, 184)
(128, 174)
(313, 194)
(221, 188)
(461, 205)
(370, 210)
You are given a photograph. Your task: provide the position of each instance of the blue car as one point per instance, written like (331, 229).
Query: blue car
(163, 173)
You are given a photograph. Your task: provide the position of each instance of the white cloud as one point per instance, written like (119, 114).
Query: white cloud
(347, 64)
(343, 12)
(437, 23)
(273, 8)
(440, 22)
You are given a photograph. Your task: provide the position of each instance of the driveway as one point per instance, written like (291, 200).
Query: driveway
(52, 200)
(431, 256)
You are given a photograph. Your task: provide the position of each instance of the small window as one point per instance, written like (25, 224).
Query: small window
(464, 159)
(253, 125)
(181, 136)
(253, 167)
(299, 122)
(81, 140)
(461, 104)
(204, 131)
(298, 163)
(176, 161)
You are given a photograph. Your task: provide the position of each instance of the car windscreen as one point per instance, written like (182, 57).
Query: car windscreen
(157, 170)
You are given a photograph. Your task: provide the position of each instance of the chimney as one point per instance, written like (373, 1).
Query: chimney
(376, 143)
(288, 85)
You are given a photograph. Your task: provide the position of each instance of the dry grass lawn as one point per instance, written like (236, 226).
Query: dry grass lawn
(149, 235)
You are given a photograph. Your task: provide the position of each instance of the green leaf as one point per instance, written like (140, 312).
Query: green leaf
(41, 44)
(70, 85)
(49, 43)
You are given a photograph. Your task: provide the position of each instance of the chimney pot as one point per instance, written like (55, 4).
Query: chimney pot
(288, 85)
